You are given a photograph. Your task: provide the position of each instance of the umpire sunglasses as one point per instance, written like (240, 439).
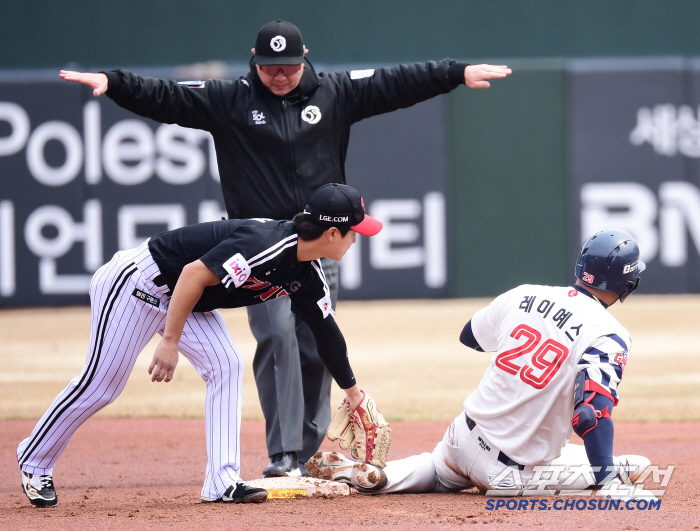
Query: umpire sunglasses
(287, 70)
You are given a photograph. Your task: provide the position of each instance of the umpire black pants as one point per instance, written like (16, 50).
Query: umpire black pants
(293, 384)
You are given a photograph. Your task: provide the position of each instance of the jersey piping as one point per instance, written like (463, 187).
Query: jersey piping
(317, 266)
(263, 257)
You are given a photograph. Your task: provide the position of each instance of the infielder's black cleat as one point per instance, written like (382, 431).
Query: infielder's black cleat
(39, 489)
(281, 465)
(240, 492)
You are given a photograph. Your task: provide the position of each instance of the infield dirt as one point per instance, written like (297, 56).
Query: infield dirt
(147, 474)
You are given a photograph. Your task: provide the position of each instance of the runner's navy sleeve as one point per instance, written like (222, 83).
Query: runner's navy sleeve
(467, 337)
(599, 441)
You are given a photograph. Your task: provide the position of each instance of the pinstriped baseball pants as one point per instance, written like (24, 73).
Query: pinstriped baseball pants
(122, 324)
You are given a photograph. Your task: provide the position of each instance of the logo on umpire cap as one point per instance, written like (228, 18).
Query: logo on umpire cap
(278, 43)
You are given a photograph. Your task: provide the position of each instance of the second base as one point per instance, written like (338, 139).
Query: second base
(300, 487)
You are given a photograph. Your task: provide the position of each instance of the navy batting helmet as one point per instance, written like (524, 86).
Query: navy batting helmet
(609, 260)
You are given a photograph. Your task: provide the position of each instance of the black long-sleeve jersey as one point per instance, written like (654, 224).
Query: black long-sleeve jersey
(272, 151)
(256, 260)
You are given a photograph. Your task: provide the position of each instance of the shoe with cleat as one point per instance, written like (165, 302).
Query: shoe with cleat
(333, 466)
(240, 492)
(39, 489)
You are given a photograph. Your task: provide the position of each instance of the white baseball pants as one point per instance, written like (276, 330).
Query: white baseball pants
(128, 309)
(465, 459)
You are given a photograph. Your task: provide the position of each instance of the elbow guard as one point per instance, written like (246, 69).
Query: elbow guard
(585, 419)
(586, 415)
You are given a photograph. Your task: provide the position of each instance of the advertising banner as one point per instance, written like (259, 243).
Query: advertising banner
(634, 161)
(81, 178)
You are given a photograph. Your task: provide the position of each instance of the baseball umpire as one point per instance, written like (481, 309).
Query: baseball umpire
(172, 285)
(280, 132)
(559, 357)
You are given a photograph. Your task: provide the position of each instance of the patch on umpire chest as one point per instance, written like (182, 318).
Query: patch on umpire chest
(238, 269)
(146, 297)
(258, 117)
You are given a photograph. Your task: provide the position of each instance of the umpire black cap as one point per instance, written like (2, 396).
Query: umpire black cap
(279, 43)
(339, 205)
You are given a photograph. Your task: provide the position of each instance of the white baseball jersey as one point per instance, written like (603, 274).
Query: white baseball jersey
(541, 337)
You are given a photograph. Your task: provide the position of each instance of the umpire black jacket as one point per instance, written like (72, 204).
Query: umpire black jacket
(273, 152)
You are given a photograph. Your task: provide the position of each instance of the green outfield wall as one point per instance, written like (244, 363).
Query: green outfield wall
(508, 182)
(597, 127)
(49, 34)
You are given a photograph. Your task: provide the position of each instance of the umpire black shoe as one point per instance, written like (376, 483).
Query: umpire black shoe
(284, 464)
(39, 489)
(240, 492)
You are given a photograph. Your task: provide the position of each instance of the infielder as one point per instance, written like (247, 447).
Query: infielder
(558, 359)
(172, 285)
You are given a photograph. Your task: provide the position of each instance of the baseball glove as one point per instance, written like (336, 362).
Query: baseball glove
(363, 430)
